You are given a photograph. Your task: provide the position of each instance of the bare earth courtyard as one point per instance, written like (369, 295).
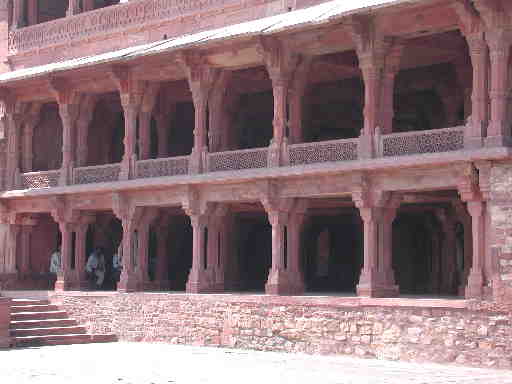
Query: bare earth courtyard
(144, 363)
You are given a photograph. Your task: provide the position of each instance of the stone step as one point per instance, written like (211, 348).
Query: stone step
(39, 315)
(73, 330)
(21, 302)
(42, 323)
(33, 308)
(30, 341)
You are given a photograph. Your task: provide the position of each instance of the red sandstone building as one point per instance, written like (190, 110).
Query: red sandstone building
(283, 146)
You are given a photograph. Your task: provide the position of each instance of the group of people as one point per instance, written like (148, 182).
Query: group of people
(96, 266)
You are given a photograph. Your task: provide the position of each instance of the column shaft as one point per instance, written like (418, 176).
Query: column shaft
(145, 135)
(476, 276)
(64, 282)
(498, 132)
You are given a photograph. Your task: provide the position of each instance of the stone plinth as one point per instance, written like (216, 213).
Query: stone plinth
(5, 319)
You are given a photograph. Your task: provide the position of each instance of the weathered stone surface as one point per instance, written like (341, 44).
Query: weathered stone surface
(449, 335)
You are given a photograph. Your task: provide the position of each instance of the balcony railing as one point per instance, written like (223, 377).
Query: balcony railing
(96, 174)
(323, 151)
(170, 166)
(236, 160)
(432, 141)
(395, 144)
(37, 180)
(106, 20)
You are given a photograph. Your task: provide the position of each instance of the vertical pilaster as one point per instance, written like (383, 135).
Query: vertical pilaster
(130, 133)
(475, 284)
(378, 211)
(196, 280)
(73, 7)
(297, 92)
(68, 113)
(163, 121)
(27, 153)
(130, 216)
(18, 14)
(143, 254)
(281, 64)
(64, 276)
(12, 121)
(498, 132)
(201, 77)
(479, 53)
(24, 264)
(12, 248)
(145, 135)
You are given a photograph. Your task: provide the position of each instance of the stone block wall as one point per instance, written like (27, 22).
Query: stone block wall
(421, 334)
(500, 212)
(5, 319)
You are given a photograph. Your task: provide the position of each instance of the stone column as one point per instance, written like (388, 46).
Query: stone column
(377, 212)
(143, 254)
(130, 133)
(80, 251)
(144, 135)
(281, 64)
(479, 54)
(474, 289)
(18, 12)
(196, 280)
(286, 218)
(73, 7)
(64, 276)
(32, 13)
(12, 248)
(88, 5)
(24, 264)
(130, 216)
(296, 97)
(387, 283)
(391, 69)
(82, 127)
(68, 116)
(369, 274)
(498, 132)
(277, 282)
(218, 112)
(13, 138)
(28, 153)
(201, 78)
(293, 256)
(128, 281)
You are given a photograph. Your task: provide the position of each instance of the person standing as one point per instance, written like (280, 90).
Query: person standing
(96, 266)
(55, 261)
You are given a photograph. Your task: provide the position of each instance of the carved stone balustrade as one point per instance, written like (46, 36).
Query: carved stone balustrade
(96, 174)
(236, 160)
(431, 141)
(323, 151)
(169, 166)
(107, 20)
(37, 180)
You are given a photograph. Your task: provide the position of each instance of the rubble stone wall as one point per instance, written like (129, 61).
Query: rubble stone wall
(422, 334)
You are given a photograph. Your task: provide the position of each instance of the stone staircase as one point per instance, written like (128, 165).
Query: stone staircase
(37, 322)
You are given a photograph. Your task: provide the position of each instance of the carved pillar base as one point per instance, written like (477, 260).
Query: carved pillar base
(129, 282)
(284, 282)
(65, 282)
(375, 284)
(474, 289)
(200, 283)
(366, 147)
